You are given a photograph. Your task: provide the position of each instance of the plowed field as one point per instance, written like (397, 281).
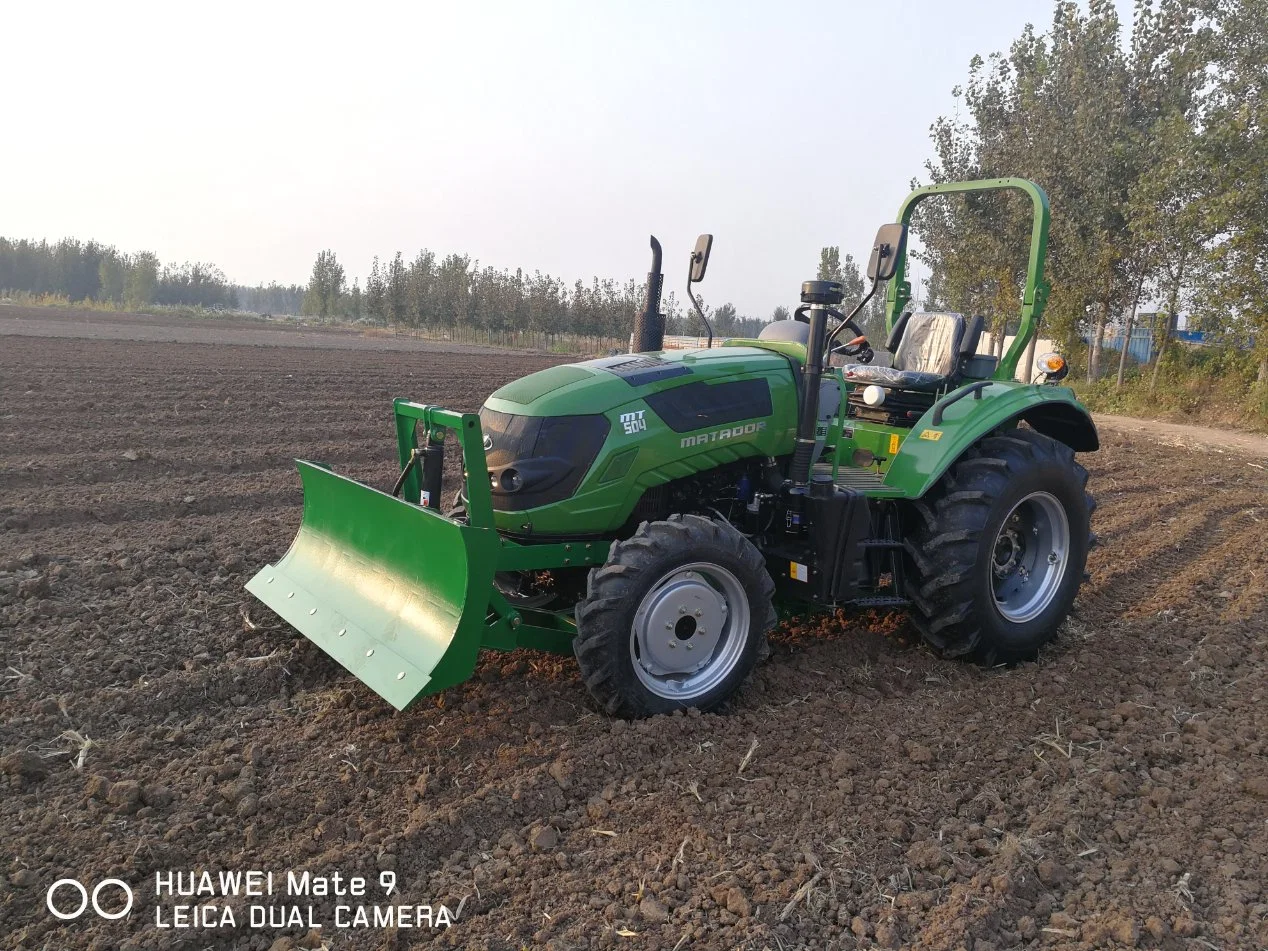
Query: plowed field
(859, 793)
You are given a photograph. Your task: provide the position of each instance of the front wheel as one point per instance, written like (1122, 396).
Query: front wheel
(677, 617)
(998, 547)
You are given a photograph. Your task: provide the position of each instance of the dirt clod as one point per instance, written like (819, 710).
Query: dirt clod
(544, 838)
(1257, 786)
(1116, 928)
(653, 910)
(737, 903)
(97, 787)
(887, 936)
(1184, 926)
(1050, 872)
(125, 795)
(919, 753)
(24, 765)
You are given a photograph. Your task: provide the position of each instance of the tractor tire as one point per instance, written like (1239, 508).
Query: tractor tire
(997, 549)
(677, 617)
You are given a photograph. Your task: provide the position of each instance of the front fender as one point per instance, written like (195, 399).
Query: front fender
(930, 450)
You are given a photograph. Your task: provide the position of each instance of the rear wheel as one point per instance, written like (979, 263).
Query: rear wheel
(998, 547)
(676, 618)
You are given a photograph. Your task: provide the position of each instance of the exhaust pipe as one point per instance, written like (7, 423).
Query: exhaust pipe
(649, 326)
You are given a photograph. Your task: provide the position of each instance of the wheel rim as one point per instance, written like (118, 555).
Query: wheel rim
(1030, 557)
(689, 631)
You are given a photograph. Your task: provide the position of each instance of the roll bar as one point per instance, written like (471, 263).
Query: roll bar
(1035, 297)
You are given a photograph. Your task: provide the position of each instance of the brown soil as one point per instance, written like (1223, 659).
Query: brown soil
(858, 793)
(221, 330)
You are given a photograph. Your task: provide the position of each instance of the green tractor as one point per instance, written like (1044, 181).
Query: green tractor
(647, 511)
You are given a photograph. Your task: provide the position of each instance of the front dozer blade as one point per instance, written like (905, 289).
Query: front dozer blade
(396, 593)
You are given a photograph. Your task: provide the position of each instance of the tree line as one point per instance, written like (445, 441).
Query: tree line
(1154, 154)
(427, 291)
(91, 271)
(434, 291)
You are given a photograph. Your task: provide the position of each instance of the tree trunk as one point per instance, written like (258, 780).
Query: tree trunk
(1127, 334)
(1168, 319)
(1263, 369)
(1172, 299)
(1094, 348)
(1028, 358)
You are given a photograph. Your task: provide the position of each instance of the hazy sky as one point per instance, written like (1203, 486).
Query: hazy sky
(546, 136)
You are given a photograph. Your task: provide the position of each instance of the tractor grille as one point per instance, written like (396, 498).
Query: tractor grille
(851, 478)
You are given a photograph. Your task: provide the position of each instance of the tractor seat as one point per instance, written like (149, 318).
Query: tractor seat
(927, 349)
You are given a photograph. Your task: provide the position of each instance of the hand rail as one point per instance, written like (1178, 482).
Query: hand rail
(975, 389)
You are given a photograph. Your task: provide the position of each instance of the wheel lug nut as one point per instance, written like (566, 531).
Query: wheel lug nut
(672, 644)
(699, 613)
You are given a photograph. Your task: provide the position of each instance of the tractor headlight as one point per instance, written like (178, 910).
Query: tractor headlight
(873, 395)
(1052, 366)
(511, 481)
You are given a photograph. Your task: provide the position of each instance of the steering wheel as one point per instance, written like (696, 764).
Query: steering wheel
(858, 348)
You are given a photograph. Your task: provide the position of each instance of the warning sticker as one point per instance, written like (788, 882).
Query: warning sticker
(893, 444)
(933, 435)
(798, 571)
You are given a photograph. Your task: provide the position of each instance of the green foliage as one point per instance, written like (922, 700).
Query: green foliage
(829, 264)
(1154, 154)
(141, 281)
(395, 286)
(325, 287)
(272, 299)
(1195, 384)
(1076, 112)
(849, 275)
(1234, 148)
(89, 271)
(111, 276)
(196, 284)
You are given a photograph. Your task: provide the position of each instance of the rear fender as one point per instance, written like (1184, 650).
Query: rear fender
(929, 451)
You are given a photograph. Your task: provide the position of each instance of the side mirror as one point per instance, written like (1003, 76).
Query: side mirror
(700, 258)
(887, 251)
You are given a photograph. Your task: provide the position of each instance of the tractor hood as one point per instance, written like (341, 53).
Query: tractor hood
(578, 444)
(599, 386)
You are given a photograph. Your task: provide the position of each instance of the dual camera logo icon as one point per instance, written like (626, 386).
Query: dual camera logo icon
(59, 908)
